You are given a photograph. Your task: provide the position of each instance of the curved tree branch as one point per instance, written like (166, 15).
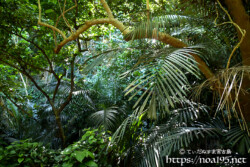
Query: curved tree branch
(45, 24)
(107, 9)
(163, 37)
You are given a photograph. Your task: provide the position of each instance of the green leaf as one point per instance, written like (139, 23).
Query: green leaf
(33, 6)
(49, 11)
(20, 160)
(12, 152)
(80, 155)
(90, 154)
(67, 165)
(91, 164)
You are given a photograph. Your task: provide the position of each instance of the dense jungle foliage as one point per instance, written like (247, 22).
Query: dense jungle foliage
(124, 83)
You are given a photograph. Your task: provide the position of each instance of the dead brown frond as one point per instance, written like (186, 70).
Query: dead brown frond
(228, 85)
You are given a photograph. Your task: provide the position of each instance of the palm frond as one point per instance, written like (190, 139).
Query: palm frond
(164, 82)
(228, 83)
(189, 111)
(171, 141)
(175, 25)
(106, 56)
(129, 121)
(239, 138)
(82, 95)
(107, 117)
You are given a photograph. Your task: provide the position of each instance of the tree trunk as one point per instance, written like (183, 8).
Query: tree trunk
(60, 129)
(240, 17)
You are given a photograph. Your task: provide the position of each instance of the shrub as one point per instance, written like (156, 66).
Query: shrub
(90, 151)
(24, 153)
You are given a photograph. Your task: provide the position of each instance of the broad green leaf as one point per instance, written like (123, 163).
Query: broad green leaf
(80, 155)
(67, 165)
(91, 164)
(49, 11)
(20, 160)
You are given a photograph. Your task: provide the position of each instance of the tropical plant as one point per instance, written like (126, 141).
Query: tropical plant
(89, 151)
(176, 49)
(108, 117)
(163, 81)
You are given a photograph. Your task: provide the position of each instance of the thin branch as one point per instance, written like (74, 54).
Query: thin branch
(76, 15)
(39, 88)
(43, 52)
(57, 85)
(20, 108)
(11, 65)
(47, 25)
(56, 89)
(64, 18)
(71, 86)
(28, 64)
(63, 14)
(24, 72)
(93, 57)
(38, 47)
(243, 32)
(86, 26)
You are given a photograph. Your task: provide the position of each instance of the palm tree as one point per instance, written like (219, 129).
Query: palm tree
(108, 117)
(164, 84)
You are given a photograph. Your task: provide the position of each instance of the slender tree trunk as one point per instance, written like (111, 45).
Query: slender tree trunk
(148, 10)
(61, 131)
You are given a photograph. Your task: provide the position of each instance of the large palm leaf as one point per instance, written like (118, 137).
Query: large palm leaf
(178, 124)
(175, 25)
(166, 142)
(130, 121)
(108, 117)
(163, 82)
(238, 139)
